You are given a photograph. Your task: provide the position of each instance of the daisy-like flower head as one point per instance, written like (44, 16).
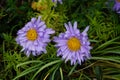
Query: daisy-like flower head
(73, 45)
(116, 6)
(34, 36)
(60, 1)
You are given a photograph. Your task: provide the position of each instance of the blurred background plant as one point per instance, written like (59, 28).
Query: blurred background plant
(103, 34)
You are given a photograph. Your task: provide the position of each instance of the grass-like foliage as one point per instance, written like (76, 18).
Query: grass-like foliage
(104, 36)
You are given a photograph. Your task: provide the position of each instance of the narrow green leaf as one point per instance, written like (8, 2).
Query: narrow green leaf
(112, 48)
(103, 58)
(45, 66)
(112, 77)
(28, 62)
(27, 71)
(98, 72)
(87, 77)
(107, 43)
(46, 76)
(61, 73)
(112, 51)
(107, 52)
(53, 75)
(93, 40)
(72, 69)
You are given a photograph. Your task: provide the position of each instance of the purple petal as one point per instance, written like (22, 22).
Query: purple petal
(33, 20)
(85, 31)
(70, 27)
(40, 24)
(50, 31)
(75, 25)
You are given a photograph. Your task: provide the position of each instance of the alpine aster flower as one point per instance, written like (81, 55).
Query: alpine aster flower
(60, 1)
(73, 45)
(116, 6)
(34, 36)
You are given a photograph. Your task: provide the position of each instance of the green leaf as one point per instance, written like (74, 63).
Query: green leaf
(27, 71)
(61, 73)
(108, 58)
(106, 43)
(72, 69)
(28, 62)
(112, 77)
(45, 66)
(107, 52)
(98, 72)
(53, 75)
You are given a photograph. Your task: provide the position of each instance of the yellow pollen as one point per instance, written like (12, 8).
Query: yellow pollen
(32, 34)
(74, 44)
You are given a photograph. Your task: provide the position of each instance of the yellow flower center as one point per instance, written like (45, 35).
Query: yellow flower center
(32, 34)
(74, 44)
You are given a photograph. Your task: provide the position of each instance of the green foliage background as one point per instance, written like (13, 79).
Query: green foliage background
(103, 34)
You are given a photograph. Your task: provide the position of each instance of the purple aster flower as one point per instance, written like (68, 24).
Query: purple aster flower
(116, 6)
(34, 36)
(60, 1)
(73, 45)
